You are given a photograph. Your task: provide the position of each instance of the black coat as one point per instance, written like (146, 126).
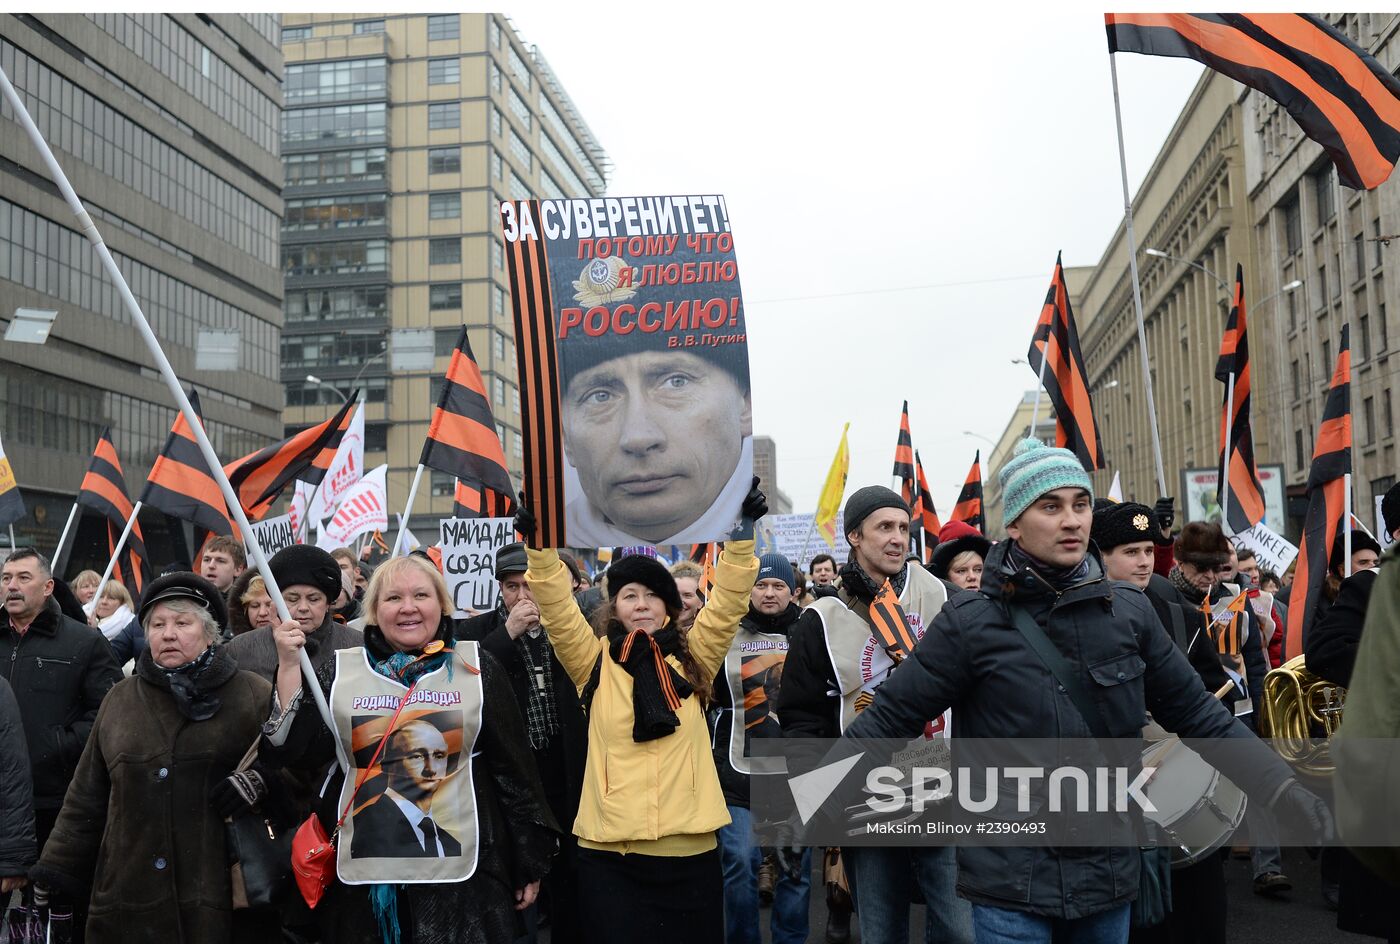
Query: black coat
(60, 670)
(1330, 645)
(973, 660)
(1256, 660)
(489, 629)
(17, 849)
(1186, 626)
(381, 830)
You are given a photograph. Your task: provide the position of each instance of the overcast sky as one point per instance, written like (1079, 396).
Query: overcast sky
(870, 164)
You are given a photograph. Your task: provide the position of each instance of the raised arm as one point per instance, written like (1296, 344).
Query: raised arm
(573, 639)
(718, 620)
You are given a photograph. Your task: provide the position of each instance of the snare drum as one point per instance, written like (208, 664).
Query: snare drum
(1197, 808)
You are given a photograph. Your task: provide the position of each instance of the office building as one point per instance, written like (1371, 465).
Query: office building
(765, 466)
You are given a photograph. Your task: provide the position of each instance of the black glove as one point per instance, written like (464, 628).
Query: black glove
(1295, 801)
(755, 502)
(1165, 513)
(525, 522)
(238, 791)
(788, 852)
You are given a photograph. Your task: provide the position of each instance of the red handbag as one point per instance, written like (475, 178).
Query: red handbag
(313, 852)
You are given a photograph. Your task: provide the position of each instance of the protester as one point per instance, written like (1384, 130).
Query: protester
(688, 575)
(824, 576)
(1365, 554)
(141, 833)
(309, 579)
(114, 609)
(958, 557)
(1272, 616)
(1269, 582)
(346, 608)
(835, 666)
(649, 868)
(223, 560)
(979, 661)
(554, 722)
(486, 837)
(17, 847)
(745, 708)
(85, 585)
(252, 607)
(581, 582)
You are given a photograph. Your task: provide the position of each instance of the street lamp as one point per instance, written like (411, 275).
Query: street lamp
(313, 379)
(1290, 287)
(1196, 265)
(968, 432)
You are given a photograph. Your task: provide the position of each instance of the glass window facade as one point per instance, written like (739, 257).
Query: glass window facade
(517, 66)
(296, 34)
(517, 105)
(343, 212)
(444, 71)
(334, 124)
(556, 121)
(445, 297)
(444, 206)
(331, 391)
(519, 190)
(521, 150)
(445, 26)
(444, 251)
(334, 167)
(337, 304)
(444, 160)
(369, 26)
(339, 349)
(444, 115)
(563, 167)
(310, 82)
(370, 255)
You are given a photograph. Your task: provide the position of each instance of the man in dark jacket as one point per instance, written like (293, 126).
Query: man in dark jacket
(975, 660)
(17, 847)
(60, 670)
(554, 721)
(744, 707)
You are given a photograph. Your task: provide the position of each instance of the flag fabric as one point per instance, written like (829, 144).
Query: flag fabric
(364, 508)
(299, 511)
(925, 517)
(1115, 491)
(345, 470)
(104, 491)
(1055, 342)
(462, 438)
(180, 483)
(11, 504)
(890, 625)
(260, 478)
(833, 490)
(471, 501)
(1340, 96)
(1331, 462)
(969, 506)
(1244, 499)
(904, 458)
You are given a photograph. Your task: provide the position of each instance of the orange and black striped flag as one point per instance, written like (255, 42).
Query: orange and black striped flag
(1245, 496)
(462, 438)
(904, 458)
(1056, 342)
(1340, 96)
(1326, 502)
(541, 433)
(890, 625)
(969, 506)
(475, 501)
(104, 491)
(925, 517)
(180, 483)
(259, 479)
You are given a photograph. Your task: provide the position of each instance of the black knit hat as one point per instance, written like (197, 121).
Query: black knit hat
(184, 585)
(308, 566)
(650, 573)
(1120, 523)
(866, 501)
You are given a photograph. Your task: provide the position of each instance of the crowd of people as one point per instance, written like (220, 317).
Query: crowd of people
(580, 760)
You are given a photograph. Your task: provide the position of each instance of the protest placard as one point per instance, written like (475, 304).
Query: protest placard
(273, 534)
(633, 356)
(1198, 490)
(469, 547)
(787, 535)
(1273, 551)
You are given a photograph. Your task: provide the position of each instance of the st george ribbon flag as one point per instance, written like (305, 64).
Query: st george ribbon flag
(462, 438)
(1238, 485)
(469, 501)
(925, 514)
(904, 458)
(180, 483)
(1055, 356)
(260, 478)
(104, 491)
(1340, 95)
(969, 506)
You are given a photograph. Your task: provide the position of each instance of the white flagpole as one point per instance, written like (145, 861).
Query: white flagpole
(1039, 389)
(167, 372)
(408, 510)
(63, 538)
(1346, 519)
(1137, 285)
(1225, 467)
(91, 605)
(12, 538)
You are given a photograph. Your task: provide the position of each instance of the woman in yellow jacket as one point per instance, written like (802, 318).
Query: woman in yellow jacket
(648, 861)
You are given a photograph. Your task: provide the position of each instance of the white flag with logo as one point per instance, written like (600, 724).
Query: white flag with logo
(301, 493)
(363, 508)
(347, 468)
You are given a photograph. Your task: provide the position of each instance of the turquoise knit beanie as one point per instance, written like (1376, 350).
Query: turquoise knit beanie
(1035, 469)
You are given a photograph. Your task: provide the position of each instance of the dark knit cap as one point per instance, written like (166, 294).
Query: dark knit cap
(511, 559)
(775, 566)
(1390, 508)
(184, 585)
(868, 500)
(308, 566)
(650, 573)
(1121, 523)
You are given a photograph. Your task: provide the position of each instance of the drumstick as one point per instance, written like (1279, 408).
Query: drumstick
(1167, 745)
(1225, 690)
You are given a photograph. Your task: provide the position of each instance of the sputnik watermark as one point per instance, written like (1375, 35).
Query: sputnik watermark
(1115, 790)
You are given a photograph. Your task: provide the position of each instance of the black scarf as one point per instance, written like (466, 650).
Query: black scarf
(657, 688)
(1058, 577)
(859, 584)
(1186, 588)
(193, 685)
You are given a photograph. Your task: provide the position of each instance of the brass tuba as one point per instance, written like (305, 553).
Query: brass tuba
(1300, 709)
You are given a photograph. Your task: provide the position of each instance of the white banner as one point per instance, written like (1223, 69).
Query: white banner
(347, 468)
(273, 534)
(1272, 550)
(363, 508)
(786, 535)
(1382, 534)
(469, 547)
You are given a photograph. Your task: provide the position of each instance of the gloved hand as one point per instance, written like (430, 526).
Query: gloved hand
(755, 502)
(525, 522)
(1165, 513)
(1303, 806)
(238, 791)
(788, 852)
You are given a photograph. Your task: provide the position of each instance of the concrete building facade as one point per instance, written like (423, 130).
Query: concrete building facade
(765, 466)
(403, 133)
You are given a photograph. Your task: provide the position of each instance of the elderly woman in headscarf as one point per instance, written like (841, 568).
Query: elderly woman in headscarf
(142, 827)
(444, 832)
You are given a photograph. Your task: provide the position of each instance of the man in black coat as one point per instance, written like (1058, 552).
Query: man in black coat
(60, 669)
(976, 660)
(17, 848)
(554, 719)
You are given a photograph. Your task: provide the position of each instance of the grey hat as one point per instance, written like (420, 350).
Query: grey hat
(868, 500)
(511, 559)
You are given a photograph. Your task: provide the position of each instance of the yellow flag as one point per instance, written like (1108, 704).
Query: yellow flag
(833, 491)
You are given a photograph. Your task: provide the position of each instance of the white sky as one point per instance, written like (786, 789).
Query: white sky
(868, 160)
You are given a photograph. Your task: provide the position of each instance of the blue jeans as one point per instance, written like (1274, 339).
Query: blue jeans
(882, 883)
(1004, 926)
(740, 858)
